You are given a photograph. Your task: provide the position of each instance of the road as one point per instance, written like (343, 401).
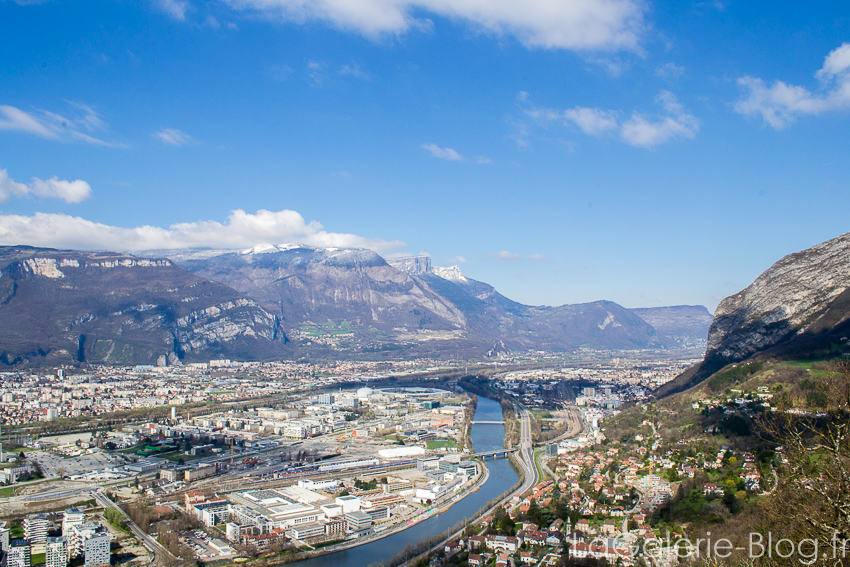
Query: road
(153, 546)
(525, 455)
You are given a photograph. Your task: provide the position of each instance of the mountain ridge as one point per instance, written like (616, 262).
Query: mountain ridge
(289, 301)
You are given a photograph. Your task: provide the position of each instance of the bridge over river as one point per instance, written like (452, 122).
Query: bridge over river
(495, 454)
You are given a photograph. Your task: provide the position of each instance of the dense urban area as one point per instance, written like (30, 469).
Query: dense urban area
(266, 463)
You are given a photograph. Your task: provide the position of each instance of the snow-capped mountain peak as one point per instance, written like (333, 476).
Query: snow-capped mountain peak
(451, 273)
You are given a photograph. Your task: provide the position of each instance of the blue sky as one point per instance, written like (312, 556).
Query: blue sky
(649, 153)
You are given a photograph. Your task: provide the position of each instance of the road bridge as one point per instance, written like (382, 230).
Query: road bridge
(494, 454)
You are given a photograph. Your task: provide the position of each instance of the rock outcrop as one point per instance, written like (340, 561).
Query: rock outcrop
(800, 294)
(799, 307)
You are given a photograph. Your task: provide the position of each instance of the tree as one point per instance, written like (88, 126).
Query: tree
(816, 479)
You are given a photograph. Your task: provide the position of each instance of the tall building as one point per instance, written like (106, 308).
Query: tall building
(35, 528)
(96, 550)
(56, 552)
(19, 554)
(4, 537)
(78, 535)
(72, 517)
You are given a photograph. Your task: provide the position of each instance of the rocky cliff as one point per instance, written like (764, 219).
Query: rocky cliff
(800, 294)
(798, 307)
(61, 306)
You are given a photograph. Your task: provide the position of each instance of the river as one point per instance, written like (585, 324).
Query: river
(485, 437)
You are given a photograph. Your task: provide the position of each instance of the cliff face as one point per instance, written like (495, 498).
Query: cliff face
(67, 306)
(800, 294)
(799, 307)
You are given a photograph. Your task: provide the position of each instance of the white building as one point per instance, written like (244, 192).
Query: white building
(96, 550)
(56, 552)
(78, 535)
(348, 503)
(35, 528)
(357, 522)
(4, 537)
(70, 518)
(19, 554)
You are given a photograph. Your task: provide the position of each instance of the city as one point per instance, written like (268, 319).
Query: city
(306, 472)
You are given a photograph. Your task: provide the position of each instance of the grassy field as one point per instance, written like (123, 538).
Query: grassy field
(38, 559)
(440, 443)
(327, 328)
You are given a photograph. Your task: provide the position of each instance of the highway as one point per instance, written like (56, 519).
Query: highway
(525, 455)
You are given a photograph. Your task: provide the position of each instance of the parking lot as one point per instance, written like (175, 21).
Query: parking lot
(199, 542)
(52, 464)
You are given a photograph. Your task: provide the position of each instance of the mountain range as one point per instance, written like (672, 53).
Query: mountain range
(291, 301)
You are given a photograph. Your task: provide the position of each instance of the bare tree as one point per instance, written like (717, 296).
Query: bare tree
(812, 500)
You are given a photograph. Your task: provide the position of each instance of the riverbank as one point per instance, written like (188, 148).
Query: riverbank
(501, 478)
(424, 516)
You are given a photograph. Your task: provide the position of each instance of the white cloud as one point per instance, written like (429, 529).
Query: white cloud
(54, 126)
(483, 160)
(638, 130)
(780, 103)
(316, 73)
(504, 255)
(12, 118)
(241, 230)
(174, 137)
(69, 191)
(646, 133)
(538, 257)
(592, 121)
(280, 72)
(614, 66)
(459, 260)
(577, 24)
(442, 153)
(175, 8)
